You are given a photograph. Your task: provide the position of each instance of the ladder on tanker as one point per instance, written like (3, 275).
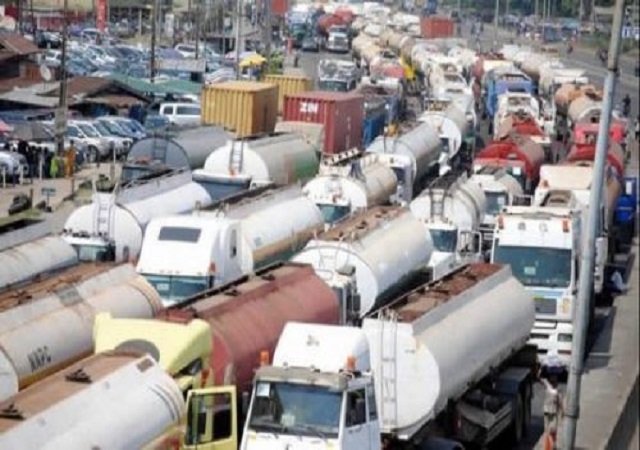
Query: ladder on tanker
(389, 367)
(235, 158)
(104, 212)
(159, 149)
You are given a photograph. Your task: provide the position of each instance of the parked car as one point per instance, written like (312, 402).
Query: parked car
(97, 145)
(12, 164)
(155, 123)
(181, 114)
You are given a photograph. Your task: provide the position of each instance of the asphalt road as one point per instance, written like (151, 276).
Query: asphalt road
(580, 58)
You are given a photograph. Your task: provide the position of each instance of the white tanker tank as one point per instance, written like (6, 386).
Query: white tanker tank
(420, 148)
(26, 261)
(279, 158)
(385, 246)
(584, 109)
(536, 62)
(496, 315)
(454, 198)
(40, 337)
(258, 230)
(112, 226)
(110, 400)
(454, 126)
(340, 191)
(500, 189)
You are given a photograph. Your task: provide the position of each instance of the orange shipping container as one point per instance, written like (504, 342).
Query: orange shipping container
(289, 85)
(433, 27)
(245, 108)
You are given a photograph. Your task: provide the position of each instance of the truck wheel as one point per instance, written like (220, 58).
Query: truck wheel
(517, 426)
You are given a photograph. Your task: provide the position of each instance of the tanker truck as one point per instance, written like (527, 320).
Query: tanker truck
(420, 148)
(577, 177)
(456, 129)
(500, 190)
(350, 182)
(279, 158)
(543, 244)
(216, 338)
(405, 380)
(519, 155)
(369, 257)
(184, 255)
(112, 226)
(42, 336)
(188, 149)
(452, 209)
(26, 261)
(110, 400)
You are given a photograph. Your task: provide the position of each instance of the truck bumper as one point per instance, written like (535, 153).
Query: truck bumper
(553, 340)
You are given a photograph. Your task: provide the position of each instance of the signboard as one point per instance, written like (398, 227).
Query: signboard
(183, 65)
(101, 15)
(47, 191)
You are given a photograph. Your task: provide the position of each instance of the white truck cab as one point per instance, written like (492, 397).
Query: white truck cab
(329, 406)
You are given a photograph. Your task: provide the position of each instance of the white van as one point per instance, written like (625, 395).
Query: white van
(181, 114)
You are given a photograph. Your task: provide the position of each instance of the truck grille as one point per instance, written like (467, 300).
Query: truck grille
(545, 306)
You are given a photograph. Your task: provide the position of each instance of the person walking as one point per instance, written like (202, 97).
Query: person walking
(636, 128)
(552, 408)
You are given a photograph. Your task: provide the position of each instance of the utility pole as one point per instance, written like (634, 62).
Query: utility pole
(61, 114)
(154, 24)
(585, 287)
(33, 19)
(581, 11)
(495, 24)
(198, 12)
(238, 35)
(267, 15)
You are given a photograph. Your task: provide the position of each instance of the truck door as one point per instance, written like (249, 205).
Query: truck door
(356, 429)
(212, 422)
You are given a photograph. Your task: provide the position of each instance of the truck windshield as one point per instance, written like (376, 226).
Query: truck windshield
(495, 202)
(535, 266)
(296, 409)
(94, 253)
(174, 289)
(334, 213)
(444, 240)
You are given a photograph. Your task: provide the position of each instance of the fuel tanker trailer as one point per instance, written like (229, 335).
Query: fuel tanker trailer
(521, 156)
(216, 338)
(110, 400)
(188, 149)
(584, 109)
(455, 127)
(40, 337)
(569, 92)
(24, 262)
(111, 228)
(184, 255)
(279, 158)
(420, 148)
(480, 381)
(342, 190)
(368, 257)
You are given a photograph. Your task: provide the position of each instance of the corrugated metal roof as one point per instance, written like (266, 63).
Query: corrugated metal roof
(139, 85)
(9, 84)
(185, 86)
(16, 44)
(115, 100)
(29, 97)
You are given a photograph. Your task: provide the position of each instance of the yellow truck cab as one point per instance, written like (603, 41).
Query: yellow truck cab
(184, 352)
